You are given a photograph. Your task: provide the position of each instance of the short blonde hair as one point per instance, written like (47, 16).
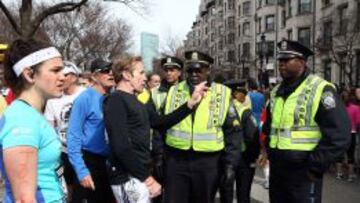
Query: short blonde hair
(124, 63)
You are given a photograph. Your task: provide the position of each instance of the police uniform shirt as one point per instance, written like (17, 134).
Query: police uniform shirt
(333, 122)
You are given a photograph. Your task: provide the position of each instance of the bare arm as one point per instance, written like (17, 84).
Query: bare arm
(21, 168)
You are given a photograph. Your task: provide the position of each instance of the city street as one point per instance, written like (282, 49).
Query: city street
(334, 191)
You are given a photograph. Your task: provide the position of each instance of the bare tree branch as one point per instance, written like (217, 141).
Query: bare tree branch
(58, 8)
(10, 18)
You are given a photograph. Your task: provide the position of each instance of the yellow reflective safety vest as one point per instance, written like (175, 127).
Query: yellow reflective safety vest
(293, 125)
(204, 131)
(240, 109)
(158, 98)
(144, 96)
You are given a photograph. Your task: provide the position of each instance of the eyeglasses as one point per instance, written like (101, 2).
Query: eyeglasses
(194, 70)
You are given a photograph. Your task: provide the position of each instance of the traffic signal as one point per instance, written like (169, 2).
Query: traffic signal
(3, 48)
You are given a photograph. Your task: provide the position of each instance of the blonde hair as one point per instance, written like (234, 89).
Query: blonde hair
(124, 63)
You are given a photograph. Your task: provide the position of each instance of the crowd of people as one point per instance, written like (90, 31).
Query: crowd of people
(116, 135)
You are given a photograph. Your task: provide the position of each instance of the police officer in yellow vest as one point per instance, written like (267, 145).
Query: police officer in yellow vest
(250, 147)
(307, 128)
(204, 142)
(172, 67)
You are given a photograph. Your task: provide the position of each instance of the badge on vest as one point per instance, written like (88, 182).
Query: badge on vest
(328, 100)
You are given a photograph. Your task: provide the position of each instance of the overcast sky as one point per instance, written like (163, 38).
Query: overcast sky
(166, 18)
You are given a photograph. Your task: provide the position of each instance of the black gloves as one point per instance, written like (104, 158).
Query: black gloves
(228, 176)
(227, 184)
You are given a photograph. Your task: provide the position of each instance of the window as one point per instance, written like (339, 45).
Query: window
(212, 24)
(327, 34)
(325, 3)
(304, 36)
(231, 22)
(290, 34)
(258, 25)
(327, 70)
(289, 9)
(221, 45)
(269, 23)
(283, 18)
(304, 6)
(206, 30)
(258, 4)
(246, 49)
(270, 49)
(239, 30)
(246, 8)
(343, 21)
(231, 56)
(231, 38)
(270, 2)
(239, 10)
(212, 37)
(231, 4)
(221, 14)
(246, 28)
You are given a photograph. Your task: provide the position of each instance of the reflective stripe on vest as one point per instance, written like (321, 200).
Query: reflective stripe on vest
(158, 98)
(293, 124)
(205, 133)
(240, 109)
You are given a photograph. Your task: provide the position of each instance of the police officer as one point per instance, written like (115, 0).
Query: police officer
(307, 128)
(250, 147)
(172, 67)
(195, 146)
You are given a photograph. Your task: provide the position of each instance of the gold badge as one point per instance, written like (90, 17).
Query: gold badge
(194, 56)
(236, 122)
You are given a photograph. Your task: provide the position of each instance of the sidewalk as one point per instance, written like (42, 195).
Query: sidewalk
(334, 191)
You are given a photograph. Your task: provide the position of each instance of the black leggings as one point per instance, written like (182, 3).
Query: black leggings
(351, 151)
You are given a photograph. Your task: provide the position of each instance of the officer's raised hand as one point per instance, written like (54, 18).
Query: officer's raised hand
(198, 94)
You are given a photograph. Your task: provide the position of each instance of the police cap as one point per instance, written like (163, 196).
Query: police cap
(292, 49)
(197, 59)
(235, 84)
(171, 62)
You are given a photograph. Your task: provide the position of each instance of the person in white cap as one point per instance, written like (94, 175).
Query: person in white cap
(57, 112)
(29, 146)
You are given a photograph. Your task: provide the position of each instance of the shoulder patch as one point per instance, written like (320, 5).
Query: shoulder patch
(328, 100)
(232, 110)
(253, 120)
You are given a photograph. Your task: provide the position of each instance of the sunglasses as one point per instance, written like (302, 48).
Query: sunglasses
(104, 71)
(193, 70)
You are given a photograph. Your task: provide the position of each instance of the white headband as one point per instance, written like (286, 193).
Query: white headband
(35, 58)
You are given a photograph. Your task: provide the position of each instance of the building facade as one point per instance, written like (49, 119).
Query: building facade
(241, 35)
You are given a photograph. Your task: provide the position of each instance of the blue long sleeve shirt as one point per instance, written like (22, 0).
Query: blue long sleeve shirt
(86, 130)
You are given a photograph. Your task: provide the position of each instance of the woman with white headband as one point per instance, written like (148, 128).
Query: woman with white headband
(30, 148)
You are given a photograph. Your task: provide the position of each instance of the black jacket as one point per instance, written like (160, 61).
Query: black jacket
(128, 123)
(334, 125)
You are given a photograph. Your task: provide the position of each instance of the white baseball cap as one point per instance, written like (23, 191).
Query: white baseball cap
(70, 67)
